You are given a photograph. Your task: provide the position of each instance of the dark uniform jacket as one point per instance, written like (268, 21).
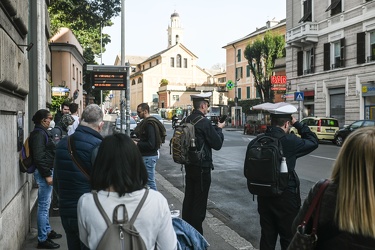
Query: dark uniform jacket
(43, 153)
(210, 135)
(70, 182)
(329, 236)
(294, 147)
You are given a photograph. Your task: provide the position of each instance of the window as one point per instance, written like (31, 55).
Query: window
(139, 80)
(176, 98)
(222, 79)
(308, 65)
(334, 54)
(155, 98)
(172, 62)
(239, 55)
(150, 65)
(248, 92)
(157, 61)
(335, 7)
(307, 13)
(74, 77)
(178, 61)
(365, 52)
(133, 82)
(185, 62)
(238, 73)
(247, 70)
(239, 94)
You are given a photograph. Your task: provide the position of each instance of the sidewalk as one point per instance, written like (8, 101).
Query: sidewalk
(216, 232)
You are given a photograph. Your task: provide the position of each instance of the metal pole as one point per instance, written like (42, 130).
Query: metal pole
(235, 86)
(128, 68)
(122, 114)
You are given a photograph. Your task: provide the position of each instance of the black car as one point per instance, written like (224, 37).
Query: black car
(341, 134)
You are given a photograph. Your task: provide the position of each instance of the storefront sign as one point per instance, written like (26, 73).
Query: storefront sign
(278, 80)
(368, 90)
(60, 91)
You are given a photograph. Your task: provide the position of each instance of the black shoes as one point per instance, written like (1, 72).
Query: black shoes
(48, 244)
(53, 235)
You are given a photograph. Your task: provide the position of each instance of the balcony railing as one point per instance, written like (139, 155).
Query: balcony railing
(308, 71)
(305, 32)
(371, 58)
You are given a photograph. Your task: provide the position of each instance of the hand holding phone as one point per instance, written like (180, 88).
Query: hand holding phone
(223, 118)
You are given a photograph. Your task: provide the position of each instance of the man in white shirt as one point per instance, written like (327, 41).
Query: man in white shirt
(74, 112)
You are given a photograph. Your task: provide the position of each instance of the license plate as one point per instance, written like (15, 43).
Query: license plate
(330, 130)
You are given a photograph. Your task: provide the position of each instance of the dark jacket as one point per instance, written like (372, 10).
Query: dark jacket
(151, 134)
(329, 236)
(294, 147)
(210, 135)
(70, 182)
(43, 153)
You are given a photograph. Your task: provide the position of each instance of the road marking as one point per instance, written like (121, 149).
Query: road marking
(321, 157)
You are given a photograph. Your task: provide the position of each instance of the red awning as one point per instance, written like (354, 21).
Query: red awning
(309, 93)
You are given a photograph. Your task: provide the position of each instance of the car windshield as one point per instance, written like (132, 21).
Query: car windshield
(132, 121)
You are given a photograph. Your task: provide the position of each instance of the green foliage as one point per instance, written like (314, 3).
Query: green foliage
(57, 101)
(164, 82)
(84, 18)
(261, 56)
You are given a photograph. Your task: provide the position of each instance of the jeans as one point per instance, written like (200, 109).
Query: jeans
(72, 233)
(44, 202)
(150, 163)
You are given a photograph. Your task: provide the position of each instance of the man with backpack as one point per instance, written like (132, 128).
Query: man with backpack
(198, 174)
(278, 207)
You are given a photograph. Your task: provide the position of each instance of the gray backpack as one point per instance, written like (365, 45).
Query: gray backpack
(121, 234)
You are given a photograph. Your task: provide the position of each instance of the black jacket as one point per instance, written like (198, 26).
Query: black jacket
(43, 153)
(329, 236)
(294, 147)
(210, 135)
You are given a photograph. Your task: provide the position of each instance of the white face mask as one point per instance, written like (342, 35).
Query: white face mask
(52, 124)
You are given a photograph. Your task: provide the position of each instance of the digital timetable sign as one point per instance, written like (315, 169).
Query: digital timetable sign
(109, 80)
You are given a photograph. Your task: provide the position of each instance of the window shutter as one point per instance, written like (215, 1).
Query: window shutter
(342, 52)
(299, 63)
(361, 47)
(327, 55)
(312, 61)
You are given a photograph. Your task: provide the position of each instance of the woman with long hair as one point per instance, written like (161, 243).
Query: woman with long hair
(347, 212)
(119, 176)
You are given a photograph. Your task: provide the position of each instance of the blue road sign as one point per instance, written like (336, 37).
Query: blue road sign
(298, 96)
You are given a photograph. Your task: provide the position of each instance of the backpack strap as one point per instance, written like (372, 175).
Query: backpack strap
(101, 210)
(75, 158)
(45, 133)
(136, 212)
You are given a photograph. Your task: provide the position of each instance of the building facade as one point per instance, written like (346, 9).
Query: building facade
(25, 75)
(330, 57)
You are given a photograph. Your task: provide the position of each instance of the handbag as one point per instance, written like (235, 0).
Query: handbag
(302, 240)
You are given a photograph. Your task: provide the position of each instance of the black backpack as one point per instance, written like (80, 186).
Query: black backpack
(262, 166)
(57, 134)
(121, 234)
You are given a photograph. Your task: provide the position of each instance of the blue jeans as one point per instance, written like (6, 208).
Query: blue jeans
(72, 233)
(150, 163)
(44, 202)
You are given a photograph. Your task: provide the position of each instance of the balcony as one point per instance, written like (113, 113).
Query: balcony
(302, 35)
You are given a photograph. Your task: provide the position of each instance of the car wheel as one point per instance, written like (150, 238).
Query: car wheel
(339, 141)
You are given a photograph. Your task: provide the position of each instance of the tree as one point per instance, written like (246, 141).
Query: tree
(261, 56)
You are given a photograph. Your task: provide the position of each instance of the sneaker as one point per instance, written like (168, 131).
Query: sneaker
(53, 235)
(47, 244)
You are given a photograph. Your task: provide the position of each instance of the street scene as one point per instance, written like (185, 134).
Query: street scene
(187, 124)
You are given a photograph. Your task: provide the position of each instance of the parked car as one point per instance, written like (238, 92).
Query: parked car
(324, 127)
(117, 127)
(157, 116)
(341, 134)
(135, 116)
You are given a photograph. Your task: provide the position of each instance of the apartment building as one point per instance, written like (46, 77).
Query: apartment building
(330, 56)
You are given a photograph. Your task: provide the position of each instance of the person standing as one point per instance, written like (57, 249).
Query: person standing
(73, 107)
(43, 153)
(151, 134)
(347, 212)
(64, 109)
(198, 176)
(119, 177)
(72, 177)
(277, 213)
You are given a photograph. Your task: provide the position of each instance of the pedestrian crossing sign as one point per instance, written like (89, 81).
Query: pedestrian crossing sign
(298, 96)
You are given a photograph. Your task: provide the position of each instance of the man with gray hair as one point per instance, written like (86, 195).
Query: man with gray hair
(72, 171)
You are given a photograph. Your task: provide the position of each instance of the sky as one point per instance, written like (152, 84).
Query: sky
(208, 26)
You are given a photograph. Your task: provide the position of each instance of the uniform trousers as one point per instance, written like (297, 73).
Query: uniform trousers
(198, 182)
(276, 217)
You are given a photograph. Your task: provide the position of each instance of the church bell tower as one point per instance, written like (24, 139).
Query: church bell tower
(175, 31)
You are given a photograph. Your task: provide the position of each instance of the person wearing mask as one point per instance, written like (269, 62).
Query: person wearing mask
(43, 154)
(198, 175)
(72, 176)
(347, 211)
(119, 176)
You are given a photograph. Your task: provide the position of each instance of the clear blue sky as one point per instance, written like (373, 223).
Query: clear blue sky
(208, 26)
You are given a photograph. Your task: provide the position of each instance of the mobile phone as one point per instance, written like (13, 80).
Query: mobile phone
(223, 118)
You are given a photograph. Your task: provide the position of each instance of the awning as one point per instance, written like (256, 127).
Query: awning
(333, 5)
(276, 108)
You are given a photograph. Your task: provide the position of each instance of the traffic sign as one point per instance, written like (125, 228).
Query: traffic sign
(230, 85)
(298, 96)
